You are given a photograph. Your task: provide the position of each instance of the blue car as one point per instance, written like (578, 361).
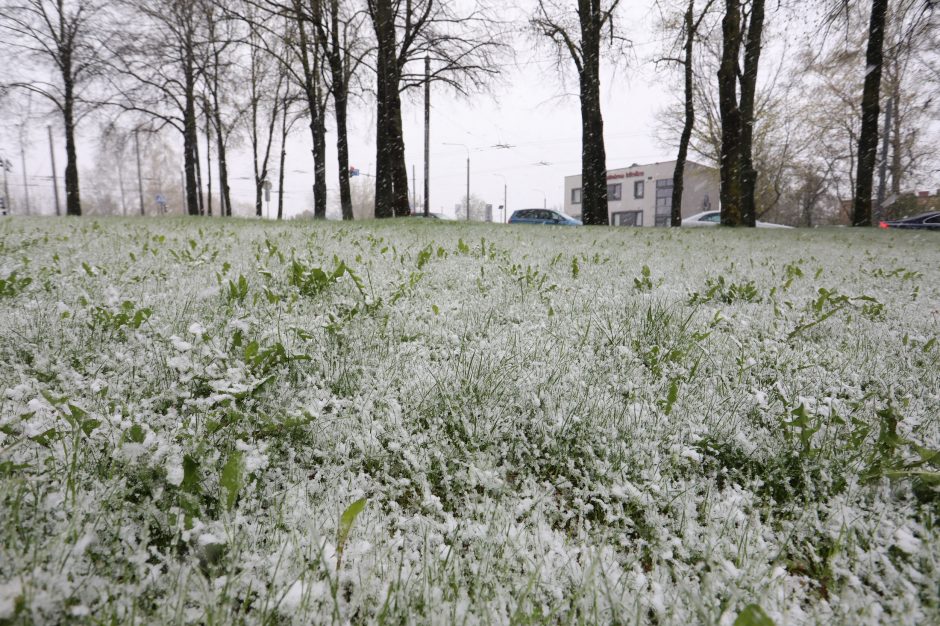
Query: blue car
(542, 216)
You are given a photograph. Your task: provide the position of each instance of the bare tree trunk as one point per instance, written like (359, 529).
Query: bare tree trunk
(225, 199)
(73, 205)
(595, 20)
(678, 176)
(383, 175)
(254, 103)
(730, 165)
(285, 129)
(190, 135)
(340, 102)
(593, 154)
(391, 173)
(871, 109)
(197, 161)
(897, 149)
(206, 112)
(261, 162)
(311, 80)
(319, 147)
(342, 155)
(396, 147)
(752, 52)
(386, 82)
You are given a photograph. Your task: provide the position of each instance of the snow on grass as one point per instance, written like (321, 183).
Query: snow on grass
(548, 425)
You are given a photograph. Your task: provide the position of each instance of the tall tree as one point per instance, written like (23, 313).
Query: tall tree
(267, 81)
(752, 51)
(462, 47)
(730, 161)
(289, 117)
(741, 27)
(303, 38)
(774, 142)
(691, 23)
(579, 36)
(871, 109)
(300, 56)
(159, 67)
(830, 120)
(339, 29)
(217, 69)
(58, 35)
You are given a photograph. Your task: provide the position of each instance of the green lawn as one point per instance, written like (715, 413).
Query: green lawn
(546, 425)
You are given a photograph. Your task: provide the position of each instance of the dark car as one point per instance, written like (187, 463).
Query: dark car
(925, 221)
(542, 216)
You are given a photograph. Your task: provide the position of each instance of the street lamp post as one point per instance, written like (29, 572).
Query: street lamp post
(544, 197)
(468, 173)
(140, 180)
(7, 203)
(55, 184)
(505, 203)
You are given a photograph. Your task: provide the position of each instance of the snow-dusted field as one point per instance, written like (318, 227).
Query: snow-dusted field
(547, 425)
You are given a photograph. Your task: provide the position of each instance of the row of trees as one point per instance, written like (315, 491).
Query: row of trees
(246, 70)
(748, 136)
(223, 71)
(802, 143)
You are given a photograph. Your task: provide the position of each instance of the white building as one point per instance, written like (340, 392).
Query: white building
(641, 195)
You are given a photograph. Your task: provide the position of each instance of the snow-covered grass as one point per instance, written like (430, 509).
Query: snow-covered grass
(547, 425)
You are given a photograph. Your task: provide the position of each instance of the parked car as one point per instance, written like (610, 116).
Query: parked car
(542, 216)
(924, 221)
(433, 216)
(713, 218)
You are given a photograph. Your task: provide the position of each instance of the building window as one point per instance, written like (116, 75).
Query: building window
(663, 201)
(614, 192)
(639, 188)
(627, 218)
(576, 196)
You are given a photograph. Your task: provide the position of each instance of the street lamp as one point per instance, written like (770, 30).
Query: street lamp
(544, 197)
(505, 205)
(468, 173)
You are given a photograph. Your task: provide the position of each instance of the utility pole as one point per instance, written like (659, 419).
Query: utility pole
(7, 166)
(414, 189)
(140, 179)
(121, 183)
(468, 185)
(427, 134)
(55, 184)
(883, 170)
(25, 184)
